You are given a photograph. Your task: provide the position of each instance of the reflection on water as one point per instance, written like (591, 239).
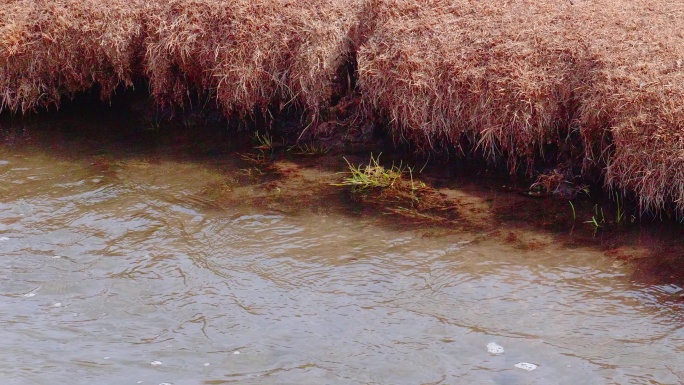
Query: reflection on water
(118, 273)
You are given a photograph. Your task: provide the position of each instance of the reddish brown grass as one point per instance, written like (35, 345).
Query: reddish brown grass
(518, 75)
(513, 78)
(250, 54)
(637, 96)
(55, 48)
(483, 70)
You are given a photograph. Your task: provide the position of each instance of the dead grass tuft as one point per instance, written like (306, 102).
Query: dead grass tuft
(637, 97)
(485, 71)
(55, 48)
(251, 55)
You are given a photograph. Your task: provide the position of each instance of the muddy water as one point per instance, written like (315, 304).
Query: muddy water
(119, 266)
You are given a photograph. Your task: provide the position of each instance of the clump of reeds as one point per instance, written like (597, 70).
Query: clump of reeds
(250, 55)
(55, 48)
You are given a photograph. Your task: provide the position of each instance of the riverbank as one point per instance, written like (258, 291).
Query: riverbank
(583, 92)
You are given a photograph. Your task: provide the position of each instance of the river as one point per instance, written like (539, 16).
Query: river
(120, 265)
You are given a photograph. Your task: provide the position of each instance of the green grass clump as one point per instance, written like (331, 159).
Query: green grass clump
(371, 176)
(375, 176)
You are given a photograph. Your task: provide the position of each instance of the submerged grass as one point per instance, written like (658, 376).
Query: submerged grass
(309, 149)
(593, 87)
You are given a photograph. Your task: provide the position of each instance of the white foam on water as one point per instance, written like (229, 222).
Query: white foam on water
(4, 239)
(494, 348)
(155, 363)
(526, 366)
(236, 352)
(57, 304)
(29, 295)
(206, 364)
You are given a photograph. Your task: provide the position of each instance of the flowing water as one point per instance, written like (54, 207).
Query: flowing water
(116, 267)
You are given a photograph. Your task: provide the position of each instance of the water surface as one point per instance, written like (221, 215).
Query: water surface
(117, 268)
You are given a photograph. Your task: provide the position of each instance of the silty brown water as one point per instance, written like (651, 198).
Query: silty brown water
(117, 267)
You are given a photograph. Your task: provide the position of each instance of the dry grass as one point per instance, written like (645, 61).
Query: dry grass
(637, 96)
(599, 81)
(481, 70)
(55, 48)
(251, 55)
(514, 77)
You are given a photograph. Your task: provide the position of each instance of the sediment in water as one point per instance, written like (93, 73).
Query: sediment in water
(586, 88)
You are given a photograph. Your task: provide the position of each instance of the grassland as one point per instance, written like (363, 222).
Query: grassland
(593, 89)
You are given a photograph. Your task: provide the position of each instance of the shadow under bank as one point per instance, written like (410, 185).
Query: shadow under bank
(271, 170)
